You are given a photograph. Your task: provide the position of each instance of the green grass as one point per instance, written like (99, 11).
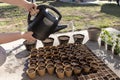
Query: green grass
(83, 16)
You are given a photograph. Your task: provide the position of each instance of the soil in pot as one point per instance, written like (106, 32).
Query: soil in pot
(50, 68)
(60, 73)
(48, 57)
(32, 65)
(41, 63)
(58, 65)
(68, 71)
(109, 47)
(48, 42)
(49, 62)
(56, 57)
(74, 63)
(89, 60)
(66, 64)
(41, 70)
(102, 43)
(41, 58)
(30, 44)
(31, 73)
(57, 61)
(33, 53)
(116, 53)
(64, 57)
(94, 67)
(82, 62)
(63, 39)
(78, 38)
(56, 53)
(32, 60)
(94, 33)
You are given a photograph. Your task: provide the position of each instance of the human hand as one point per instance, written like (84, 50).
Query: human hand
(28, 36)
(31, 7)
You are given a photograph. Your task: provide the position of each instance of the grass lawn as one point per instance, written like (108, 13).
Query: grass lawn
(83, 16)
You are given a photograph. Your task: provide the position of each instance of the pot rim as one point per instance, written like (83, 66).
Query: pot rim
(64, 36)
(33, 42)
(94, 28)
(78, 34)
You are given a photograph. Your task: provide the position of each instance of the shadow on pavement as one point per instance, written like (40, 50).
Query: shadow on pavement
(22, 54)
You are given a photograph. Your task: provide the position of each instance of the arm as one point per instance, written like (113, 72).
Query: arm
(31, 7)
(21, 3)
(8, 37)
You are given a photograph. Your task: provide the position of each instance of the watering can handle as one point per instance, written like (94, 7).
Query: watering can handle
(44, 7)
(52, 8)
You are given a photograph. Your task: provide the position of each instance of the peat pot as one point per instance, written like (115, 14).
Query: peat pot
(63, 39)
(48, 42)
(41, 70)
(31, 72)
(50, 68)
(78, 38)
(68, 71)
(94, 33)
(30, 44)
(60, 73)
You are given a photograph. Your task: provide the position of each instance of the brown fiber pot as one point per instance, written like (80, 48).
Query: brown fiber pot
(30, 44)
(63, 39)
(78, 38)
(68, 71)
(41, 70)
(86, 68)
(94, 33)
(60, 73)
(94, 66)
(50, 68)
(48, 42)
(31, 72)
(77, 70)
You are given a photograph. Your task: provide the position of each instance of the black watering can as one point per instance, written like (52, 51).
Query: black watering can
(45, 22)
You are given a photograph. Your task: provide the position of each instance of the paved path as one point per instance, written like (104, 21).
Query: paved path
(14, 67)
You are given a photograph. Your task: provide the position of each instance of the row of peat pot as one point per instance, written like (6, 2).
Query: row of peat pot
(63, 39)
(93, 34)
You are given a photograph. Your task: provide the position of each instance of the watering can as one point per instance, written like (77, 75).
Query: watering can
(45, 22)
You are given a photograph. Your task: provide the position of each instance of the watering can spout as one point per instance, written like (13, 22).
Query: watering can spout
(60, 27)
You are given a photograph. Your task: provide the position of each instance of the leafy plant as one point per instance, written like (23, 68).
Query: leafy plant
(106, 36)
(111, 39)
(117, 45)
